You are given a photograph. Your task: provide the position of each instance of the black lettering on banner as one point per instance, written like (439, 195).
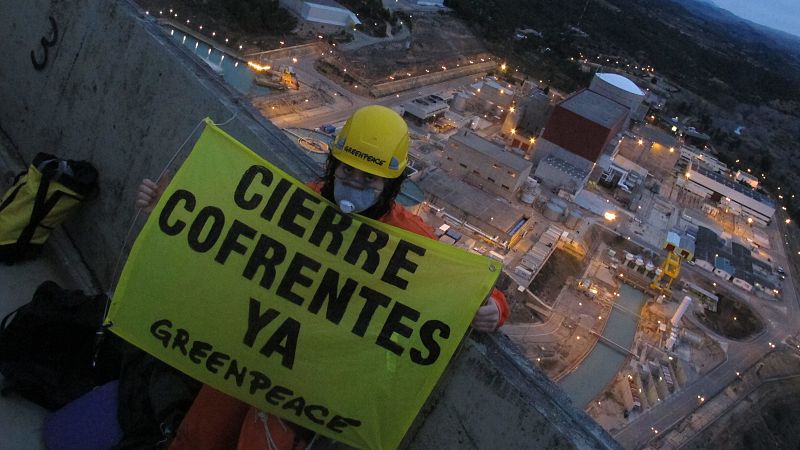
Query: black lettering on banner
(296, 207)
(157, 329)
(215, 360)
(426, 333)
(296, 404)
(46, 43)
(163, 219)
(338, 423)
(277, 394)
(283, 342)
(332, 222)
(251, 381)
(275, 199)
(233, 371)
(367, 240)
(394, 325)
(199, 351)
(294, 275)
(338, 299)
(257, 321)
(181, 339)
(247, 179)
(399, 261)
(372, 299)
(217, 218)
(258, 381)
(310, 409)
(268, 254)
(231, 242)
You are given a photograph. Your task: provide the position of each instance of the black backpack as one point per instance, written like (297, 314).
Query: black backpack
(49, 346)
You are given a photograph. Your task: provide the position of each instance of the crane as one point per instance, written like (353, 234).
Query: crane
(679, 247)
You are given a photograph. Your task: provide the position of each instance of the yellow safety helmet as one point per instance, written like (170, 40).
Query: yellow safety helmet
(375, 140)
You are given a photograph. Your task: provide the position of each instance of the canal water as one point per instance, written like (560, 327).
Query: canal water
(603, 363)
(235, 72)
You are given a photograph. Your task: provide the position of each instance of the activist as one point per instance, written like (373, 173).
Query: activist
(363, 175)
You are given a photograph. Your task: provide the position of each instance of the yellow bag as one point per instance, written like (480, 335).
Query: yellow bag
(41, 199)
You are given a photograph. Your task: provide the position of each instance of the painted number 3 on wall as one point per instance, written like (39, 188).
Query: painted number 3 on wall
(46, 43)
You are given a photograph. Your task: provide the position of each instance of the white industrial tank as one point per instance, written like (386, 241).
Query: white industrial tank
(574, 219)
(553, 211)
(459, 103)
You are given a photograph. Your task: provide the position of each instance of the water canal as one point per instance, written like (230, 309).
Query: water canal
(603, 363)
(234, 71)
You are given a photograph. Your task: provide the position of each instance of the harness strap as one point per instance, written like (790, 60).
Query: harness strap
(12, 195)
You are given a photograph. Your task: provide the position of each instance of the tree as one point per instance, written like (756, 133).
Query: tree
(256, 16)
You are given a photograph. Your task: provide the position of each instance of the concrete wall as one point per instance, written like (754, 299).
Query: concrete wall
(288, 52)
(390, 87)
(116, 91)
(492, 398)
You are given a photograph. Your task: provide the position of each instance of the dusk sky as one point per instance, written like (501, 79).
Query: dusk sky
(782, 15)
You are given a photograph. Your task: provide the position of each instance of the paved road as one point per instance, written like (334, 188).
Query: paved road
(781, 320)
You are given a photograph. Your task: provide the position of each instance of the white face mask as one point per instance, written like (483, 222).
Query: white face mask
(353, 200)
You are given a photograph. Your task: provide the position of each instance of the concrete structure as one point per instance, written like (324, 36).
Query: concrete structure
(323, 12)
(128, 113)
(621, 172)
(732, 261)
(459, 102)
(732, 196)
(707, 299)
(425, 109)
(693, 155)
(485, 164)
(585, 123)
(425, 79)
(527, 118)
(530, 192)
(553, 211)
(676, 318)
(495, 92)
(652, 148)
(559, 173)
(619, 89)
(533, 261)
(746, 178)
(486, 215)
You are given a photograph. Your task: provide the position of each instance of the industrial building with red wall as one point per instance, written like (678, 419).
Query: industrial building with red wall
(585, 123)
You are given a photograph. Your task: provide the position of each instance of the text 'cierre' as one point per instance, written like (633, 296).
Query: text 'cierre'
(301, 279)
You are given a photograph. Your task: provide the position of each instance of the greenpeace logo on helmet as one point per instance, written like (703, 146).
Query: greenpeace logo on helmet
(364, 156)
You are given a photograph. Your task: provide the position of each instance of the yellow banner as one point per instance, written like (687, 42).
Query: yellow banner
(249, 281)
